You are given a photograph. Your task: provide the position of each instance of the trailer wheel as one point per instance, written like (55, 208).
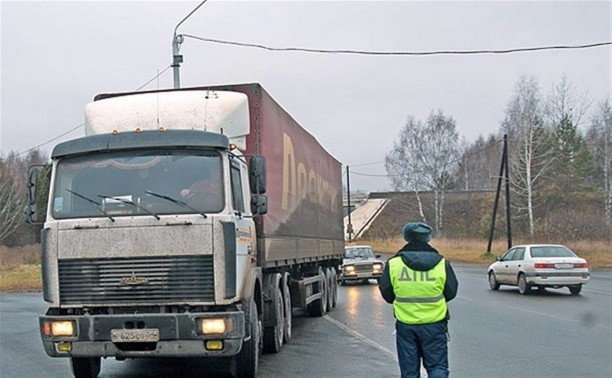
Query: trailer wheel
(274, 336)
(330, 289)
(288, 309)
(247, 360)
(334, 289)
(85, 367)
(319, 306)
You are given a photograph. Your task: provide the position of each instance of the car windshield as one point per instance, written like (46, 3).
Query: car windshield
(146, 183)
(551, 252)
(359, 253)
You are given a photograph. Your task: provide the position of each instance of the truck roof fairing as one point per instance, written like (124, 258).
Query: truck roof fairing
(190, 139)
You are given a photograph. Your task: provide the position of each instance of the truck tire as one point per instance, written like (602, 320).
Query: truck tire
(330, 288)
(334, 289)
(275, 335)
(85, 367)
(319, 306)
(247, 360)
(288, 309)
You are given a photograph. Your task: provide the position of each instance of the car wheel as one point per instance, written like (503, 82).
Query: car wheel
(524, 287)
(575, 290)
(493, 284)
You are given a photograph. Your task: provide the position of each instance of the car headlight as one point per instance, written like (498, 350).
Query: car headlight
(349, 268)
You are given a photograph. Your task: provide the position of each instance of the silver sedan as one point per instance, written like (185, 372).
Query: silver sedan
(539, 266)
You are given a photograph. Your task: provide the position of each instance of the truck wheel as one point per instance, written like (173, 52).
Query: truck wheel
(330, 289)
(288, 309)
(319, 306)
(274, 336)
(334, 289)
(247, 360)
(85, 367)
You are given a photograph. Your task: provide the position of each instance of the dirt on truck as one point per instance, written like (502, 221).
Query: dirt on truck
(187, 223)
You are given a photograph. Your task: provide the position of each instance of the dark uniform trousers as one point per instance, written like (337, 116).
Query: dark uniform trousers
(427, 341)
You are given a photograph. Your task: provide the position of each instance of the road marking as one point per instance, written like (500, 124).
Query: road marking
(359, 336)
(371, 343)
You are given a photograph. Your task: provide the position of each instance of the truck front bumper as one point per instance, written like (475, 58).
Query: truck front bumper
(179, 335)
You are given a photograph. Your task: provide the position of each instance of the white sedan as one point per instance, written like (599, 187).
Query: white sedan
(541, 266)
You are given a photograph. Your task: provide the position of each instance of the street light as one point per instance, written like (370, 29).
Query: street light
(177, 59)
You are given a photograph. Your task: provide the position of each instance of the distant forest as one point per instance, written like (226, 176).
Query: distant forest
(559, 161)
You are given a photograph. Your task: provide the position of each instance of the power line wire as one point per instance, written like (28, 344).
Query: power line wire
(153, 78)
(51, 140)
(398, 53)
(444, 165)
(83, 124)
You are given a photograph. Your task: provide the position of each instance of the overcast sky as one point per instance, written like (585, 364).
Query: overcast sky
(57, 56)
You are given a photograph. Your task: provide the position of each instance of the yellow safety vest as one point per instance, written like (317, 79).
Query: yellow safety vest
(419, 295)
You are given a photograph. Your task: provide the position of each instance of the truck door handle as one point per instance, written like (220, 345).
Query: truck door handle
(519, 265)
(506, 266)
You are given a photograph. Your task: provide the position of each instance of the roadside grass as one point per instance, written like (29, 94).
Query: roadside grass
(597, 253)
(20, 268)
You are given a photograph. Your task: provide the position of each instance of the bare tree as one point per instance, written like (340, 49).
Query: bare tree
(530, 149)
(565, 101)
(11, 203)
(404, 162)
(599, 139)
(425, 156)
(479, 165)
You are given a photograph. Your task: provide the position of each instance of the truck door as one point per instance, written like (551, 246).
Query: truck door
(245, 229)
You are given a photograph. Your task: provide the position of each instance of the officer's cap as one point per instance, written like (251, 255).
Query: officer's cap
(417, 231)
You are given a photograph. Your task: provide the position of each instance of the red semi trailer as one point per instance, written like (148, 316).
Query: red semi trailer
(187, 223)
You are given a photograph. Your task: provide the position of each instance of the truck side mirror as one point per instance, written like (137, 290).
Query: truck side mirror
(259, 204)
(257, 174)
(31, 211)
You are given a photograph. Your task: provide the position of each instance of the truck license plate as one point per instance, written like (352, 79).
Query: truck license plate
(146, 335)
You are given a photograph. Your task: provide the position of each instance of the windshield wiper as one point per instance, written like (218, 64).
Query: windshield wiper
(130, 203)
(181, 203)
(91, 201)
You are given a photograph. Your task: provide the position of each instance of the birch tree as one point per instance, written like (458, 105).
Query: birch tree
(599, 139)
(404, 162)
(11, 204)
(530, 149)
(425, 157)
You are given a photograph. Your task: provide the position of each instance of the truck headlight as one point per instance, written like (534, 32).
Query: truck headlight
(378, 267)
(59, 328)
(215, 326)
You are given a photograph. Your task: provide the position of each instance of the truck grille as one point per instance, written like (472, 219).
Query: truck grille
(137, 280)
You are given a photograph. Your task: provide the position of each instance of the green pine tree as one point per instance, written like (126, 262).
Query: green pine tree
(573, 168)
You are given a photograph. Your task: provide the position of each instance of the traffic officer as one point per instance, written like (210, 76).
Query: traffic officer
(419, 282)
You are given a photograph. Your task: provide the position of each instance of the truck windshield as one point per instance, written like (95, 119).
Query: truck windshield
(135, 183)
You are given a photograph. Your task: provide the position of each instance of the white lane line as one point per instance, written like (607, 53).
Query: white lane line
(371, 343)
(361, 337)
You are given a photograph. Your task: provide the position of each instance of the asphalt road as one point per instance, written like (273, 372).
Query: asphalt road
(493, 334)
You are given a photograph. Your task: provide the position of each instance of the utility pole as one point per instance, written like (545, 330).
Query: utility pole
(508, 203)
(349, 226)
(499, 183)
(177, 58)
